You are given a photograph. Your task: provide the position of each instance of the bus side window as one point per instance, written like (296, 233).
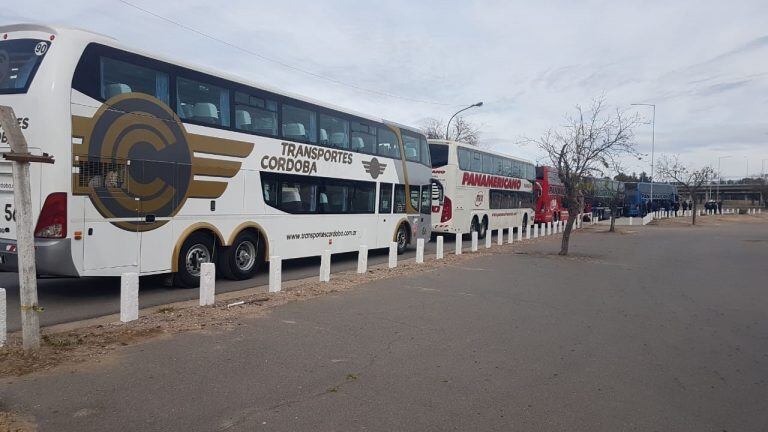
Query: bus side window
(385, 198)
(202, 102)
(119, 77)
(426, 199)
(363, 138)
(388, 143)
(415, 196)
(399, 198)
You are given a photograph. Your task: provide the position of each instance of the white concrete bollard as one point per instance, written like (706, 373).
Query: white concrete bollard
(528, 232)
(474, 241)
(511, 235)
(500, 237)
(520, 233)
(362, 260)
(275, 273)
(536, 230)
(439, 252)
(393, 255)
(325, 266)
(459, 241)
(3, 317)
(420, 250)
(760, 211)
(207, 284)
(630, 220)
(488, 239)
(129, 297)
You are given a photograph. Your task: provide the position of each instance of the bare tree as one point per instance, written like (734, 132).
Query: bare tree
(461, 130)
(693, 181)
(589, 142)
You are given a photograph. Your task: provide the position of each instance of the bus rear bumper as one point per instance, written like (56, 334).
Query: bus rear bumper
(52, 257)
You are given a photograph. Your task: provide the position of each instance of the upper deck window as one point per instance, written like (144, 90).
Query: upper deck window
(19, 60)
(202, 102)
(411, 146)
(299, 124)
(255, 114)
(118, 77)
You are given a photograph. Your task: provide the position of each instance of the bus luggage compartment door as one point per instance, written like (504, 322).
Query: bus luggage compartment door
(111, 237)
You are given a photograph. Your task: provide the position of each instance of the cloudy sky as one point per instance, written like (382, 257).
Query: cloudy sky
(703, 63)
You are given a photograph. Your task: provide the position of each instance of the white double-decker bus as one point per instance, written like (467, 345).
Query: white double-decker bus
(478, 190)
(162, 166)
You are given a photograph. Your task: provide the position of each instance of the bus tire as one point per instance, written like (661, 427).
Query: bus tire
(474, 226)
(483, 228)
(244, 257)
(196, 249)
(403, 237)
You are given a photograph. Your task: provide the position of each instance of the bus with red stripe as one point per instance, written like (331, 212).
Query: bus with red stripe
(479, 190)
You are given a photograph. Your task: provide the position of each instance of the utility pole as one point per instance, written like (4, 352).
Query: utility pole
(25, 242)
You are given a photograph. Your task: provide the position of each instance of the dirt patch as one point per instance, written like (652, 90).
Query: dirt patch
(95, 342)
(11, 422)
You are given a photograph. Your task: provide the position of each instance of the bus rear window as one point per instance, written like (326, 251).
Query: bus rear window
(19, 60)
(439, 155)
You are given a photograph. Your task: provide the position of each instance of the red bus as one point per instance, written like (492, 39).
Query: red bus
(550, 192)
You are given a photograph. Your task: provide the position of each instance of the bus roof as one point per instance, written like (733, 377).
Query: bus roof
(87, 36)
(465, 145)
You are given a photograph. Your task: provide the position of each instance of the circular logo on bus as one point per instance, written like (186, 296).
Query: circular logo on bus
(138, 147)
(479, 199)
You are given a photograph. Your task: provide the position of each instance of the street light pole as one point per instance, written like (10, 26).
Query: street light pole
(653, 139)
(720, 175)
(448, 126)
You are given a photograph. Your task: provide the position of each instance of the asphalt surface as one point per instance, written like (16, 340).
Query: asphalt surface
(67, 300)
(660, 329)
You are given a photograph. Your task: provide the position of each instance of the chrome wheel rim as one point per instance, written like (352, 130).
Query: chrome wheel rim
(401, 238)
(196, 255)
(245, 256)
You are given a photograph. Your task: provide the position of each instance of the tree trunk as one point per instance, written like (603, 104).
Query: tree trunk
(695, 210)
(572, 215)
(613, 224)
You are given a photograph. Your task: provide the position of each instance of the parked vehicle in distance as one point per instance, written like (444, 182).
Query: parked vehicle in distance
(710, 205)
(549, 195)
(163, 166)
(602, 196)
(638, 200)
(478, 190)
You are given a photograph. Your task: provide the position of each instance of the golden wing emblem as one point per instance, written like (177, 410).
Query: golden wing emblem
(135, 157)
(374, 167)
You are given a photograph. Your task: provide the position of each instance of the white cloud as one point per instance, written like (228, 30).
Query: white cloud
(705, 66)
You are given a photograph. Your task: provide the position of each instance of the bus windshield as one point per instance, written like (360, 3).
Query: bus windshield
(19, 60)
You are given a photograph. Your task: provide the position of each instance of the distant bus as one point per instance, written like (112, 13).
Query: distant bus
(638, 200)
(549, 196)
(478, 190)
(162, 166)
(601, 195)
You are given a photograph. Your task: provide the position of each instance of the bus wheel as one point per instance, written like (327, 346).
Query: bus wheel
(402, 238)
(242, 260)
(483, 228)
(196, 250)
(474, 226)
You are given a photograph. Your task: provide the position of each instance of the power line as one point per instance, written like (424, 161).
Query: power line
(282, 63)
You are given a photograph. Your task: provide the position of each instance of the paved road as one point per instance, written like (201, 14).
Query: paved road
(663, 329)
(67, 300)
